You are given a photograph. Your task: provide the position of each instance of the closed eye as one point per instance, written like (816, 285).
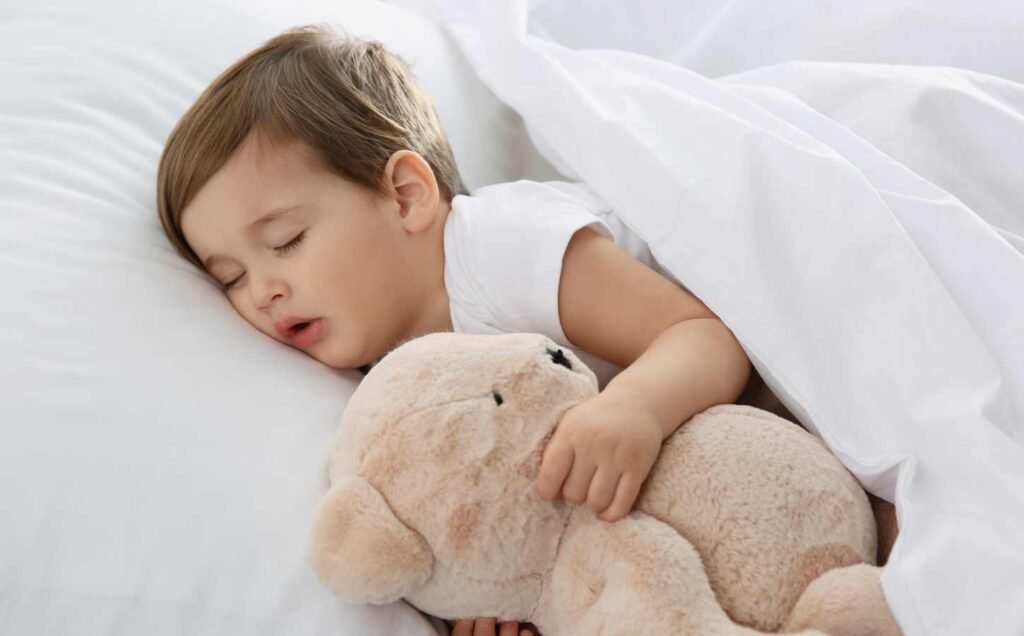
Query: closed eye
(287, 247)
(292, 244)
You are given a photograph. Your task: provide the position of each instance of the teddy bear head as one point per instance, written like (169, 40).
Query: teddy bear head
(433, 471)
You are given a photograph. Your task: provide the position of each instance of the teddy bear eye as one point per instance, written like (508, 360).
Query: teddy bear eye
(497, 398)
(559, 358)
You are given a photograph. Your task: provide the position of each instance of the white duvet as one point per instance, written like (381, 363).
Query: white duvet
(885, 312)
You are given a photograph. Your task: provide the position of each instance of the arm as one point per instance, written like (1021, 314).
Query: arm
(691, 366)
(677, 358)
(677, 355)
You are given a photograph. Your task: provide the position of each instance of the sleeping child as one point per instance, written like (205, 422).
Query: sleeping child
(313, 182)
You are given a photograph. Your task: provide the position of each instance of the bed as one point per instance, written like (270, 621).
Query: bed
(159, 459)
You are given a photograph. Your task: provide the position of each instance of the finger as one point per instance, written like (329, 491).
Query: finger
(463, 627)
(602, 488)
(484, 627)
(578, 482)
(625, 496)
(508, 628)
(554, 467)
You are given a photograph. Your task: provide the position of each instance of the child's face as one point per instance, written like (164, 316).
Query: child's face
(340, 254)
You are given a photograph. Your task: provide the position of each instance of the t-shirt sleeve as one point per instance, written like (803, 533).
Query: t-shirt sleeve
(518, 238)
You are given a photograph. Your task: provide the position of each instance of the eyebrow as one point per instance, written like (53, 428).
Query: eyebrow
(272, 215)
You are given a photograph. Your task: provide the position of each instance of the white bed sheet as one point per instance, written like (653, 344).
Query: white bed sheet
(885, 312)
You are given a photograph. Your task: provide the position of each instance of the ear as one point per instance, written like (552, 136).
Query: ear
(361, 551)
(414, 188)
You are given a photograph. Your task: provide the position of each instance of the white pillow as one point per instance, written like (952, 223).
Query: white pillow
(159, 458)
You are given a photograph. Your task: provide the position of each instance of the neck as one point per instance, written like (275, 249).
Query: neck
(434, 308)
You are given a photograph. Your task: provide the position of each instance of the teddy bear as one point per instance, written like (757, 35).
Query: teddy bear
(746, 523)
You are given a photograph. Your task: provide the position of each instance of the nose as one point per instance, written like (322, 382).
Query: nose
(265, 289)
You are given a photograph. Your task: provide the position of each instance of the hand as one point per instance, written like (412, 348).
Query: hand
(487, 627)
(600, 454)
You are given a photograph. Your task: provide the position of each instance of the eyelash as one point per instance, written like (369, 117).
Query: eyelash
(292, 244)
(287, 247)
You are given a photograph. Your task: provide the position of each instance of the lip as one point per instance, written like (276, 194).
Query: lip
(309, 335)
(284, 325)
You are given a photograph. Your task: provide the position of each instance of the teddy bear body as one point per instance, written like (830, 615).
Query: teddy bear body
(759, 542)
(433, 500)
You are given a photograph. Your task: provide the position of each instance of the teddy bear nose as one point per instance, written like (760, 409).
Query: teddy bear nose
(559, 358)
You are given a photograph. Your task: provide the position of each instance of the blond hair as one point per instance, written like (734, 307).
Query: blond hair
(353, 101)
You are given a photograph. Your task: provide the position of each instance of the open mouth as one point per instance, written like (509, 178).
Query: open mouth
(306, 334)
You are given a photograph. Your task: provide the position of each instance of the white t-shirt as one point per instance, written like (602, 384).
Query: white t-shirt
(503, 257)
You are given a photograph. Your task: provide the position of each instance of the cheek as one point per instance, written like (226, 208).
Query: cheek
(344, 270)
(325, 277)
(243, 306)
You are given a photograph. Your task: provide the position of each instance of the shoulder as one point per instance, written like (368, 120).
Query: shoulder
(516, 194)
(504, 247)
(525, 210)
(500, 220)
(505, 223)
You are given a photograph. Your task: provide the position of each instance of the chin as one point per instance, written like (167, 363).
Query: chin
(342, 360)
(332, 361)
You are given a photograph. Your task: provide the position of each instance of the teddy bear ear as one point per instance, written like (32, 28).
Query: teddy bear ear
(360, 550)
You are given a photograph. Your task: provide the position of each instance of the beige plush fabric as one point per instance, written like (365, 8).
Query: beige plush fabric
(432, 499)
